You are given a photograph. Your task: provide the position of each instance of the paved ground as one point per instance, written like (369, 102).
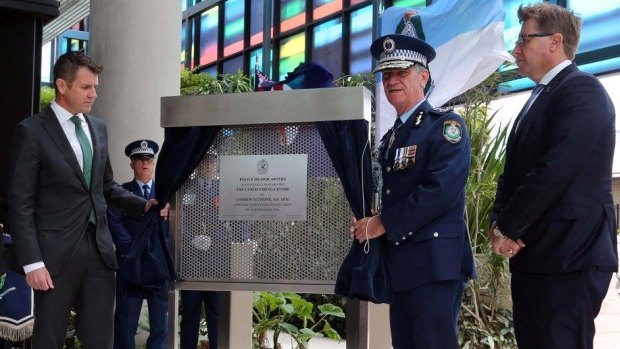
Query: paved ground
(607, 325)
(608, 322)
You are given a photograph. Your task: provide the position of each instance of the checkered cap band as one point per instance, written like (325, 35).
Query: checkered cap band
(403, 55)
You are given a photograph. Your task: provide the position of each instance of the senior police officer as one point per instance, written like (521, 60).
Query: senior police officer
(425, 161)
(125, 231)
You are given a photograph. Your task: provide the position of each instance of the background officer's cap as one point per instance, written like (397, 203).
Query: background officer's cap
(143, 147)
(396, 51)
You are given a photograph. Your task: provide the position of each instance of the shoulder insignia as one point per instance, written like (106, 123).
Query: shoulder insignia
(437, 111)
(418, 119)
(452, 131)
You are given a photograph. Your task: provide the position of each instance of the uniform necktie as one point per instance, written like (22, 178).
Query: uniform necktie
(146, 191)
(87, 156)
(529, 103)
(397, 124)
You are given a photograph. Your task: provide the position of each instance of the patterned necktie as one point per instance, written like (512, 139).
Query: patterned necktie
(87, 156)
(146, 191)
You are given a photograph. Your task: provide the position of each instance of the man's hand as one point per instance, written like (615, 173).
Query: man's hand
(368, 225)
(149, 204)
(39, 279)
(503, 245)
(163, 213)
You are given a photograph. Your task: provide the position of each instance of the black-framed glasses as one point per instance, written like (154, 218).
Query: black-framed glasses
(144, 159)
(522, 37)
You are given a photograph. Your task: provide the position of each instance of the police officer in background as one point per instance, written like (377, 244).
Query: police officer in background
(425, 161)
(124, 229)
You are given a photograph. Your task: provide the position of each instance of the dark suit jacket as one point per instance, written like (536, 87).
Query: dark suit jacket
(50, 202)
(555, 192)
(423, 205)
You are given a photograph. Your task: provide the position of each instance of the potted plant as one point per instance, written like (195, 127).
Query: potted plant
(277, 312)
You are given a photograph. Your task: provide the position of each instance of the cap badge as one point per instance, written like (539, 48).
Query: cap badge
(389, 45)
(144, 145)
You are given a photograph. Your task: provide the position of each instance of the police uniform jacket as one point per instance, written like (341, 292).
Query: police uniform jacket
(423, 199)
(142, 259)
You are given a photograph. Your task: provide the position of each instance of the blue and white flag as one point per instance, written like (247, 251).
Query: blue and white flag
(468, 37)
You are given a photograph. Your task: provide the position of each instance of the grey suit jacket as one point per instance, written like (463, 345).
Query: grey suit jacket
(50, 202)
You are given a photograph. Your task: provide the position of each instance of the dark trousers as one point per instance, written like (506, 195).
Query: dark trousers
(86, 284)
(127, 315)
(557, 311)
(191, 310)
(425, 317)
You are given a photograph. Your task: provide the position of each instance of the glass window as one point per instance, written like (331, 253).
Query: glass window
(183, 41)
(360, 60)
(292, 52)
(322, 8)
(410, 3)
(233, 65)
(292, 14)
(327, 46)
(46, 58)
(233, 28)
(208, 36)
(256, 62)
(256, 22)
(210, 71)
(511, 21)
(600, 23)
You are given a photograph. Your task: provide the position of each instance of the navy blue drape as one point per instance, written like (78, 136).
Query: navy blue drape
(362, 274)
(182, 151)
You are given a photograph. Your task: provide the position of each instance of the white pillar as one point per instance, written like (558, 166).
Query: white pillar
(379, 326)
(138, 42)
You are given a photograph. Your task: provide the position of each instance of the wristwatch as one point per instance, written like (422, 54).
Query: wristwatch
(498, 233)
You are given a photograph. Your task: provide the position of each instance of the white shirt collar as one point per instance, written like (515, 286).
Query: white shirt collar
(553, 72)
(63, 114)
(407, 114)
(140, 183)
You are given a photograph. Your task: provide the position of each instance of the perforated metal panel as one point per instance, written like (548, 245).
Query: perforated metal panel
(263, 253)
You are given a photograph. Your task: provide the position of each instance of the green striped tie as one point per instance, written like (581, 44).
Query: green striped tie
(87, 156)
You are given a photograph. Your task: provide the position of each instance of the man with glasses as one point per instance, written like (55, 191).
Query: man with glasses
(553, 214)
(425, 160)
(125, 231)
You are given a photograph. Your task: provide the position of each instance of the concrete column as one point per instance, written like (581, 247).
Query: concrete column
(138, 42)
(379, 326)
(235, 322)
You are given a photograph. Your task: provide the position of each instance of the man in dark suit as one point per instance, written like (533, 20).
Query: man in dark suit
(124, 229)
(425, 161)
(553, 214)
(59, 183)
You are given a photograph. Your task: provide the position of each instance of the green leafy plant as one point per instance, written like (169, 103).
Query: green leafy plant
(486, 318)
(277, 312)
(47, 96)
(205, 84)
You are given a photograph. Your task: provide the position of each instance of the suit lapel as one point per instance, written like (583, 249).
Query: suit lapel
(58, 137)
(536, 108)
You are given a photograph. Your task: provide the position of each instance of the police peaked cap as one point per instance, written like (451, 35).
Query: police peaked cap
(397, 51)
(143, 147)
